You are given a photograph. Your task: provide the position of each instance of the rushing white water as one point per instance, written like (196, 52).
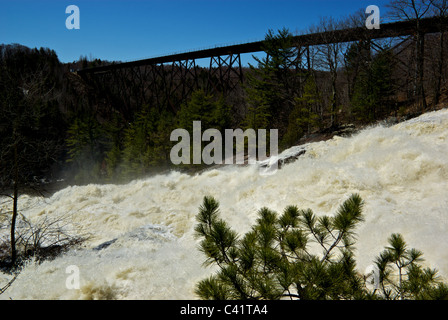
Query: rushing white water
(401, 172)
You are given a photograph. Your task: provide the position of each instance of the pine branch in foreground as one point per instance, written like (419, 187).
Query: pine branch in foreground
(274, 260)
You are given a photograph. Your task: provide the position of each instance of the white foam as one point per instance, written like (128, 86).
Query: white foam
(401, 172)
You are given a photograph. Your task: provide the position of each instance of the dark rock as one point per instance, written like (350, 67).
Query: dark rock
(104, 245)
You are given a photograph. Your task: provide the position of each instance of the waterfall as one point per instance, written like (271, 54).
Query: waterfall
(141, 235)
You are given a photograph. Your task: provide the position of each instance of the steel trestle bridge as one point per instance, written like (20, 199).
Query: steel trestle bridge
(170, 79)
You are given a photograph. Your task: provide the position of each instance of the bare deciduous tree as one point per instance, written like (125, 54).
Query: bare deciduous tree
(330, 59)
(28, 145)
(440, 10)
(414, 10)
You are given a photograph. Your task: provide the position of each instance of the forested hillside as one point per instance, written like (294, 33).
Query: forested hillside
(56, 126)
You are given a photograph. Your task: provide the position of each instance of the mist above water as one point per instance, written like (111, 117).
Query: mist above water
(141, 243)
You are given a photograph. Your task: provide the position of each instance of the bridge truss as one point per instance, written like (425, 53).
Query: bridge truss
(168, 81)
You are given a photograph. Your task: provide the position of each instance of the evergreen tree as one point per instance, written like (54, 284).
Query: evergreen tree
(138, 143)
(162, 143)
(146, 145)
(373, 88)
(272, 85)
(278, 259)
(383, 84)
(356, 59)
(213, 113)
(31, 125)
(273, 260)
(114, 131)
(401, 275)
(86, 146)
(304, 116)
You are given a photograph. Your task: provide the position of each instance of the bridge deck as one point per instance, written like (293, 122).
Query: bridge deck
(387, 30)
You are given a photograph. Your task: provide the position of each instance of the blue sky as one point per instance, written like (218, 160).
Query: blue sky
(128, 30)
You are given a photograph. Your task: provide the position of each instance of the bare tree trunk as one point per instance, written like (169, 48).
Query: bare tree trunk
(441, 9)
(440, 69)
(414, 10)
(14, 208)
(420, 69)
(333, 110)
